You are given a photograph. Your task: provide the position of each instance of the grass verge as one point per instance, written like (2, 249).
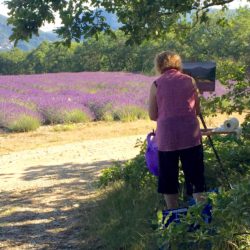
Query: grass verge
(122, 219)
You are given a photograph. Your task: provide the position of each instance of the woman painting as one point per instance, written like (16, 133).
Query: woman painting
(174, 105)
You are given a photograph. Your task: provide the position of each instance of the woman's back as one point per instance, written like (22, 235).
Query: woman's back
(177, 124)
(175, 95)
(174, 104)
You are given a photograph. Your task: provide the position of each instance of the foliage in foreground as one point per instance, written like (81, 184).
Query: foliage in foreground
(87, 18)
(229, 228)
(126, 218)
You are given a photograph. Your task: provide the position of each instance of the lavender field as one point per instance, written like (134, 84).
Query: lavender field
(72, 97)
(28, 101)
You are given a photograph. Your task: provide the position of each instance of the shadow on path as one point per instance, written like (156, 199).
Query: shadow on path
(46, 217)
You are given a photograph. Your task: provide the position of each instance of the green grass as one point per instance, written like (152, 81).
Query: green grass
(62, 116)
(64, 127)
(129, 113)
(124, 113)
(76, 116)
(23, 124)
(122, 219)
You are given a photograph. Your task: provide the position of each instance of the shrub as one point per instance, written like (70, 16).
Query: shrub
(23, 123)
(64, 127)
(101, 111)
(134, 172)
(229, 228)
(110, 175)
(15, 117)
(76, 116)
(59, 116)
(129, 113)
(53, 116)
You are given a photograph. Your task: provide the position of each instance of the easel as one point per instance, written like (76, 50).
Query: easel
(208, 132)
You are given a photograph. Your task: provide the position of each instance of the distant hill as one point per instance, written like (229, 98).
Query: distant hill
(5, 32)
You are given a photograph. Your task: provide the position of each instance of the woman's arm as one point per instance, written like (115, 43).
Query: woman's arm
(197, 98)
(152, 109)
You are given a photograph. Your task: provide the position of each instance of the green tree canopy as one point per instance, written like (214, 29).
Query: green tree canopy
(227, 45)
(140, 19)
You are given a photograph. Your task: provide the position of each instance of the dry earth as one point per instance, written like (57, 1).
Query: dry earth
(45, 174)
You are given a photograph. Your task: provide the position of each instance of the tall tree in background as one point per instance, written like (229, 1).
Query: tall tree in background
(226, 44)
(11, 62)
(140, 19)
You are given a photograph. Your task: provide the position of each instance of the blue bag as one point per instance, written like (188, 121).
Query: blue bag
(151, 154)
(176, 215)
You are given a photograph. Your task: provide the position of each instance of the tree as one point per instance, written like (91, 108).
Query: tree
(226, 44)
(36, 59)
(141, 19)
(59, 58)
(11, 62)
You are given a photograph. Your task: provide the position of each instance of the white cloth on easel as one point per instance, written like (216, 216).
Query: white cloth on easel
(230, 125)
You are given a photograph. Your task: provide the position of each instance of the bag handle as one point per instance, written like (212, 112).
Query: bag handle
(150, 135)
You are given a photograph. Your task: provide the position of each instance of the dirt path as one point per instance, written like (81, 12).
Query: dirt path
(41, 190)
(47, 136)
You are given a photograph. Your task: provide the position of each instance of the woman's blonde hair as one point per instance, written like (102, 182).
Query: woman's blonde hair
(167, 59)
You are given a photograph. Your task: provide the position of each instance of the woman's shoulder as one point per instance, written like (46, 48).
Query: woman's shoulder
(177, 75)
(158, 80)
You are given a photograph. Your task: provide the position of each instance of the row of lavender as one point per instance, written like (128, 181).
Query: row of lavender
(71, 97)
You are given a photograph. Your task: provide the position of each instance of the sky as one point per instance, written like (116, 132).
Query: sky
(46, 27)
(49, 27)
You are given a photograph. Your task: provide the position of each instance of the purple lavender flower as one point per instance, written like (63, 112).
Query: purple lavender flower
(98, 95)
(10, 112)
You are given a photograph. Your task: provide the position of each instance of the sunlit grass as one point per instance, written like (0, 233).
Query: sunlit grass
(76, 116)
(129, 113)
(53, 116)
(63, 127)
(23, 124)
